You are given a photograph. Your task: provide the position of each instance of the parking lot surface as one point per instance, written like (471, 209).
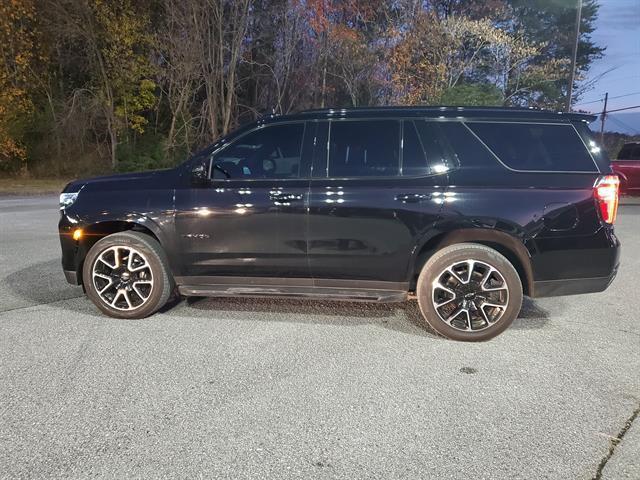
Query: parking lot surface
(241, 388)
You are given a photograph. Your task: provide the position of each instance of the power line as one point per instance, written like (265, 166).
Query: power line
(610, 98)
(606, 113)
(625, 125)
(621, 109)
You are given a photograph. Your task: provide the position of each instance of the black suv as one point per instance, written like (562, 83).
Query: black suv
(468, 208)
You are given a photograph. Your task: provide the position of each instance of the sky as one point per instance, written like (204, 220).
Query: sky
(618, 29)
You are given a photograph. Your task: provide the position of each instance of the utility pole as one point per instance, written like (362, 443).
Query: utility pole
(602, 117)
(574, 56)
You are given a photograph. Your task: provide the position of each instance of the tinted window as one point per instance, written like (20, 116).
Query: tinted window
(364, 148)
(530, 146)
(270, 152)
(414, 157)
(426, 149)
(598, 153)
(630, 152)
(468, 151)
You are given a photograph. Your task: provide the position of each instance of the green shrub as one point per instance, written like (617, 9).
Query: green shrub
(147, 152)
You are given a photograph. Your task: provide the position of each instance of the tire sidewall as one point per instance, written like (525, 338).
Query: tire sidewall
(158, 270)
(457, 253)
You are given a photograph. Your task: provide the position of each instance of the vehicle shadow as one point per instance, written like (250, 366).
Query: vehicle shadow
(40, 283)
(43, 282)
(404, 317)
(532, 316)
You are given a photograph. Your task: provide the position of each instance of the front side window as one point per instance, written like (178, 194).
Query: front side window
(269, 152)
(364, 148)
(535, 146)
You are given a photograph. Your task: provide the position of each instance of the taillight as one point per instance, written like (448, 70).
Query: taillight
(606, 193)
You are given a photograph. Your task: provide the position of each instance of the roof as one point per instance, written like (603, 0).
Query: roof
(442, 112)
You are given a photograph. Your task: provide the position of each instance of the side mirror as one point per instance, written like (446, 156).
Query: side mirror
(200, 176)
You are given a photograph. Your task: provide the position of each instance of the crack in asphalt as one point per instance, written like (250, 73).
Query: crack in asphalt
(614, 442)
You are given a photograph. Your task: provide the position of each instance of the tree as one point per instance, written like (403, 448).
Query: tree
(279, 61)
(112, 38)
(415, 64)
(119, 84)
(205, 42)
(476, 94)
(552, 23)
(17, 58)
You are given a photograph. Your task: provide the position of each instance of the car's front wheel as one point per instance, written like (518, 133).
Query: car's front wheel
(469, 292)
(126, 275)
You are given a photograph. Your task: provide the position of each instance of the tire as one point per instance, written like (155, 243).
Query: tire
(126, 275)
(465, 307)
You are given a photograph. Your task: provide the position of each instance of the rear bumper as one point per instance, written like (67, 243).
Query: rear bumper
(581, 270)
(572, 286)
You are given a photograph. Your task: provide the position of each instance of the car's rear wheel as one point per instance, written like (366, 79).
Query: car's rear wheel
(469, 292)
(126, 275)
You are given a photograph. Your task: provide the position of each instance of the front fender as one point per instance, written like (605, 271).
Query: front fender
(101, 213)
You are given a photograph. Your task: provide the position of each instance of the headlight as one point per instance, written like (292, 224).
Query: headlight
(67, 199)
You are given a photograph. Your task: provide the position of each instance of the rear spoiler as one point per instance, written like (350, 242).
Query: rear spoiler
(581, 117)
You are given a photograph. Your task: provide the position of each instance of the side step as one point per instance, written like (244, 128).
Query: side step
(319, 293)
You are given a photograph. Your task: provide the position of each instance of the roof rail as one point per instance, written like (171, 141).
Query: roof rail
(448, 109)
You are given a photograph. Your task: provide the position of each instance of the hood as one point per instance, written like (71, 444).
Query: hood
(122, 180)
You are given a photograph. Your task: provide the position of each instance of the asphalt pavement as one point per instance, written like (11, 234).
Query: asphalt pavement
(241, 388)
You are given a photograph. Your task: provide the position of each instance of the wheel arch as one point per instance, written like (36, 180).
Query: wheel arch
(92, 232)
(509, 246)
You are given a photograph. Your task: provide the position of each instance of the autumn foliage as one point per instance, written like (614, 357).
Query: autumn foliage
(98, 85)
(18, 40)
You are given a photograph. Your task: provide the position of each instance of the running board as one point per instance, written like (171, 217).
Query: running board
(319, 293)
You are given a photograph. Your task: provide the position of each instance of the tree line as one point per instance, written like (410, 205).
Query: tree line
(89, 86)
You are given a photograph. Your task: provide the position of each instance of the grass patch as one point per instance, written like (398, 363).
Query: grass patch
(31, 186)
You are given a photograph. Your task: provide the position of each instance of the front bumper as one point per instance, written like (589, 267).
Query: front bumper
(72, 277)
(72, 251)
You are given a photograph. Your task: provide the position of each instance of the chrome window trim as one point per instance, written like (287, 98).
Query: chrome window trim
(587, 172)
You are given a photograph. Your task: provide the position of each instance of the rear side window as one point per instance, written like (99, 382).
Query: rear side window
(364, 148)
(534, 146)
(414, 156)
(425, 149)
(468, 151)
(630, 152)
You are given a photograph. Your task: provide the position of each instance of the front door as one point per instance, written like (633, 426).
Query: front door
(374, 196)
(250, 221)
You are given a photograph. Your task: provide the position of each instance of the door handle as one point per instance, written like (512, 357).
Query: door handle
(286, 197)
(412, 197)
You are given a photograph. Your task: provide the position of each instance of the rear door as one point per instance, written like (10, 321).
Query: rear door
(374, 195)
